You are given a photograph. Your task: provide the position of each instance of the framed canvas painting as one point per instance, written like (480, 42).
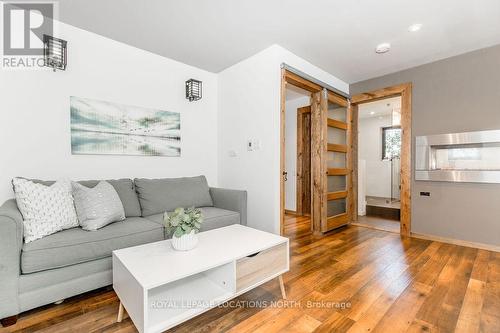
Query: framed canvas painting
(105, 128)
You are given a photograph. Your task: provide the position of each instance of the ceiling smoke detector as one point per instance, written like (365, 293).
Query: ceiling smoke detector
(383, 48)
(415, 27)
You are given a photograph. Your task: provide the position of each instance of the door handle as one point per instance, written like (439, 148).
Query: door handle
(285, 175)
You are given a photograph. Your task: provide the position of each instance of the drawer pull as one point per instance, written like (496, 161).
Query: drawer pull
(253, 255)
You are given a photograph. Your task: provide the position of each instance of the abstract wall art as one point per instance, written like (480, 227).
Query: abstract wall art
(105, 128)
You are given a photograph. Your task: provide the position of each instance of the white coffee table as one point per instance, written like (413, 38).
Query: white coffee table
(161, 288)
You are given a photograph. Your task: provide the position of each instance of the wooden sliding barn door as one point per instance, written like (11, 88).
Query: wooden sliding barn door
(331, 161)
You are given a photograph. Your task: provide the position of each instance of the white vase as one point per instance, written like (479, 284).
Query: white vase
(185, 242)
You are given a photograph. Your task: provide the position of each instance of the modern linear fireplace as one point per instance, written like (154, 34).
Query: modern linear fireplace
(459, 157)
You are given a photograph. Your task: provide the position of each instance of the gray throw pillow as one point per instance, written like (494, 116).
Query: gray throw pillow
(126, 192)
(98, 206)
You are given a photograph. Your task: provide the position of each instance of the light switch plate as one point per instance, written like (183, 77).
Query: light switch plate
(250, 145)
(253, 144)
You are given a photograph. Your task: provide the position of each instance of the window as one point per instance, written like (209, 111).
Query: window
(391, 142)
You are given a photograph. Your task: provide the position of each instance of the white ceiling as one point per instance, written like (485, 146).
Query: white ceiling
(338, 36)
(380, 108)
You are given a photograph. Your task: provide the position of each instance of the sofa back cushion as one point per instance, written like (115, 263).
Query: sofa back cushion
(159, 195)
(124, 187)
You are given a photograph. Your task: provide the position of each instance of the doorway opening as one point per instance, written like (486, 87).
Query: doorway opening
(297, 166)
(379, 164)
(394, 146)
(331, 187)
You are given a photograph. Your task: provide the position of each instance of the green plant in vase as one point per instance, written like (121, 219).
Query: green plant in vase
(183, 224)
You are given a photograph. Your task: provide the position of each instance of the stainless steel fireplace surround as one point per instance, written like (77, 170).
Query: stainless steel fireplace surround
(472, 157)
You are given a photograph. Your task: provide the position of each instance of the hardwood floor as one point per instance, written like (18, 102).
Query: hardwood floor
(378, 223)
(354, 279)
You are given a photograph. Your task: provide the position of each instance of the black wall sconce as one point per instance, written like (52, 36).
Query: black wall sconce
(193, 90)
(55, 52)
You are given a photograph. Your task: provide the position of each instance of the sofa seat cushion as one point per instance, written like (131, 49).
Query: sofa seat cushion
(73, 246)
(212, 218)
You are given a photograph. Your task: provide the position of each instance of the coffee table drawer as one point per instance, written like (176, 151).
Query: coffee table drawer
(254, 269)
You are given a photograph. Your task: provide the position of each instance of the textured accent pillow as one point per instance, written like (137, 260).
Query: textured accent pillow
(45, 209)
(98, 206)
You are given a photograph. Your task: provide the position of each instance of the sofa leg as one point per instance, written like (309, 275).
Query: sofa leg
(9, 321)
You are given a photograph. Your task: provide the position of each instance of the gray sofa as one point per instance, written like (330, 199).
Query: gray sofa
(75, 261)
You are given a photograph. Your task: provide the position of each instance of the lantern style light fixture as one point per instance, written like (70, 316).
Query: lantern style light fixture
(193, 90)
(55, 52)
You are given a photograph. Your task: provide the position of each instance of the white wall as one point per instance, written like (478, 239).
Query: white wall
(378, 171)
(240, 103)
(249, 108)
(291, 107)
(35, 113)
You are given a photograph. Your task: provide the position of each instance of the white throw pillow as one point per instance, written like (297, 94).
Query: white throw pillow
(98, 206)
(45, 209)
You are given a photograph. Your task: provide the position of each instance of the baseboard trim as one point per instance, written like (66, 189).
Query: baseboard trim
(475, 245)
(481, 246)
(290, 212)
(363, 225)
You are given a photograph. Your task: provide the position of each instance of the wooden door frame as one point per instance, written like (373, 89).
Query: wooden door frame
(288, 77)
(404, 91)
(299, 179)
